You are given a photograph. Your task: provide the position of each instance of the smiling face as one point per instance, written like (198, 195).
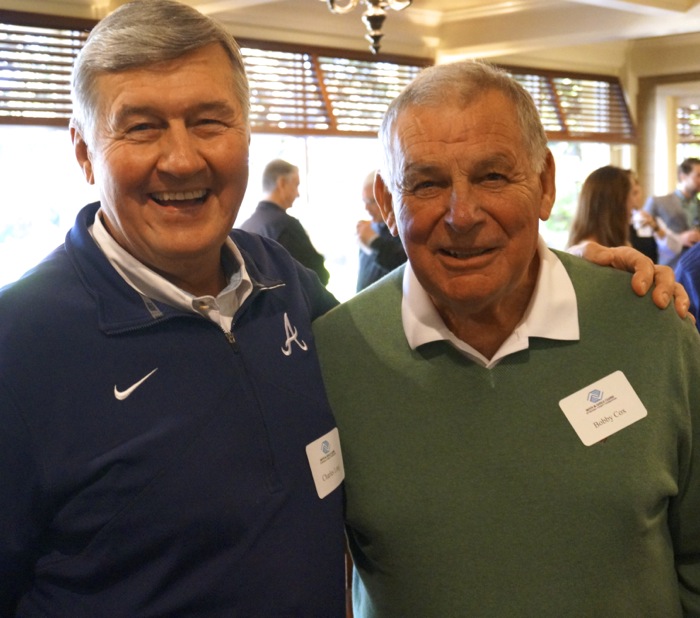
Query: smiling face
(170, 159)
(467, 205)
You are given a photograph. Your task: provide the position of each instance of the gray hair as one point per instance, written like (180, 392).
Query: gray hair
(276, 169)
(462, 83)
(142, 33)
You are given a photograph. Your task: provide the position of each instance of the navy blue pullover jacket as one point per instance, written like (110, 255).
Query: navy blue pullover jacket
(192, 496)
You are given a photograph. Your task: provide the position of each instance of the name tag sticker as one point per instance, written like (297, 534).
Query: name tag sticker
(326, 461)
(603, 408)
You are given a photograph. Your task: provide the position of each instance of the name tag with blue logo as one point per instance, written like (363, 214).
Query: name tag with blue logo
(326, 461)
(603, 408)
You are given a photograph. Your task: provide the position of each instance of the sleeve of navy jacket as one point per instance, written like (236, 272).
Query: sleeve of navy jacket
(151, 467)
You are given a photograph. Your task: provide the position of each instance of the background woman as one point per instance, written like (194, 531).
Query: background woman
(610, 213)
(604, 209)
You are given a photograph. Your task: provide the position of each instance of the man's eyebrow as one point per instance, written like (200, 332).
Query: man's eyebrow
(496, 159)
(217, 107)
(128, 111)
(495, 162)
(419, 168)
(220, 107)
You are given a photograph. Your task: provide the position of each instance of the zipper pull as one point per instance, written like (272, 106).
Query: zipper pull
(232, 340)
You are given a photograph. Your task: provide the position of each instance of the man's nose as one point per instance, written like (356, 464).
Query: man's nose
(463, 209)
(180, 154)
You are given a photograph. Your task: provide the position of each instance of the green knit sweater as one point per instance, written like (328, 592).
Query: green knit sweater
(470, 494)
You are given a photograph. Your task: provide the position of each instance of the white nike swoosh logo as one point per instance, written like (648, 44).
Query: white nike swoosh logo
(121, 395)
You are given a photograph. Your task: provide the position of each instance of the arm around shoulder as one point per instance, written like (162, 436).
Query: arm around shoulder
(646, 274)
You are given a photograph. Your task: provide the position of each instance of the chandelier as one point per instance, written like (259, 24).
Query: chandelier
(373, 17)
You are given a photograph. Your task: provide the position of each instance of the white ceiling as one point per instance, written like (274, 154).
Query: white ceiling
(592, 34)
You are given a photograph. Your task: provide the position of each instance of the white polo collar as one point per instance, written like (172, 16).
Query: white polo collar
(551, 314)
(219, 309)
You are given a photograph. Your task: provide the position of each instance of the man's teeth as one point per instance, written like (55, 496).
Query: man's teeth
(180, 196)
(464, 254)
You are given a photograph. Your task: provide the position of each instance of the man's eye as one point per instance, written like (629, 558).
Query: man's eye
(426, 184)
(494, 179)
(214, 122)
(427, 189)
(143, 126)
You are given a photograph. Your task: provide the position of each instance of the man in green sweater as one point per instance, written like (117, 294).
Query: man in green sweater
(519, 432)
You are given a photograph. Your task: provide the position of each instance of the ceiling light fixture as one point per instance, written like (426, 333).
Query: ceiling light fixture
(373, 17)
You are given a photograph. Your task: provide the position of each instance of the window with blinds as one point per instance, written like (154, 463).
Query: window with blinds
(309, 93)
(294, 90)
(35, 73)
(688, 124)
(316, 93)
(579, 108)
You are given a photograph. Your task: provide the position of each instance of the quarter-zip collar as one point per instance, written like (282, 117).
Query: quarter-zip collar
(122, 306)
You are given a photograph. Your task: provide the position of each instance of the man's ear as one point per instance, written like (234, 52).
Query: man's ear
(82, 154)
(548, 185)
(385, 203)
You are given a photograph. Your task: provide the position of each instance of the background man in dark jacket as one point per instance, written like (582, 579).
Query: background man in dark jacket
(281, 188)
(380, 250)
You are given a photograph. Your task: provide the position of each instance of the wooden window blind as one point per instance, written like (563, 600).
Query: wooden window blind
(35, 72)
(360, 91)
(296, 90)
(579, 107)
(285, 92)
(321, 93)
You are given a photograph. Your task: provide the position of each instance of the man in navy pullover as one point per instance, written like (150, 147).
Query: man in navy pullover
(165, 432)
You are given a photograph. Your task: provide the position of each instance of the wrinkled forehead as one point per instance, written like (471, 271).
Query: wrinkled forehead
(490, 122)
(484, 123)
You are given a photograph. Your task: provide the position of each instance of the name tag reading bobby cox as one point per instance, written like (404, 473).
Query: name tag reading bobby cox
(603, 408)
(326, 462)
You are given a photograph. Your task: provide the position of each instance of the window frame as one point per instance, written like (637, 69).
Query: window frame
(549, 100)
(615, 110)
(62, 83)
